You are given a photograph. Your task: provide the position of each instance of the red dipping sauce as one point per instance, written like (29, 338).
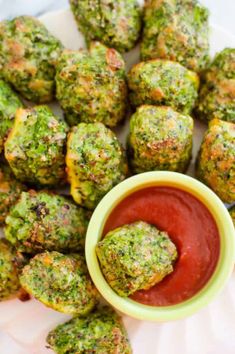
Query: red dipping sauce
(190, 226)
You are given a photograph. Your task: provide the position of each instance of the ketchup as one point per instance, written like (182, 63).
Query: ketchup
(190, 226)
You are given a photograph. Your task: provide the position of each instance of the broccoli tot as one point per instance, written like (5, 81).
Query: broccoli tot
(217, 94)
(28, 53)
(160, 139)
(91, 85)
(9, 103)
(10, 190)
(9, 273)
(216, 159)
(61, 282)
(176, 30)
(135, 256)
(42, 221)
(95, 162)
(116, 23)
(35, 147)
(102, 332)
(162, 82)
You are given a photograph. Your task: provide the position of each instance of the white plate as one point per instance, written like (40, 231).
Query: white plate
(24, 326)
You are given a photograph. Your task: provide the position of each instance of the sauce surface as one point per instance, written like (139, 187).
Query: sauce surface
(190, 226)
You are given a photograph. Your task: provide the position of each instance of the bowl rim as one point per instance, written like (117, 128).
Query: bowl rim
(224, 266)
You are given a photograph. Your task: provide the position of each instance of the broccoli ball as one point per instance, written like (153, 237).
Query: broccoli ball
(91, 85)
(10, 190)
(160, 139)
(42, 221)
(217, 94)
(60, 282)
(102, 332)
(95, 163)
(9, 103)
(9, 281)
(162, 82)
(28, 53)
(116, 23)
(35, 147)
(216, 159)
(176, 30)
(232, 214)
(135, 256)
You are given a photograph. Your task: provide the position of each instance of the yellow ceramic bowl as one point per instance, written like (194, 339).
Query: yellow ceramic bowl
(227, 245)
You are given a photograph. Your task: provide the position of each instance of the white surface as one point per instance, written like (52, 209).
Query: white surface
(222, 11)
(24, 326)
(12, 8)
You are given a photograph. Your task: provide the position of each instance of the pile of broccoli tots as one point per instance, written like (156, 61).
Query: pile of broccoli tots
(175, 83)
